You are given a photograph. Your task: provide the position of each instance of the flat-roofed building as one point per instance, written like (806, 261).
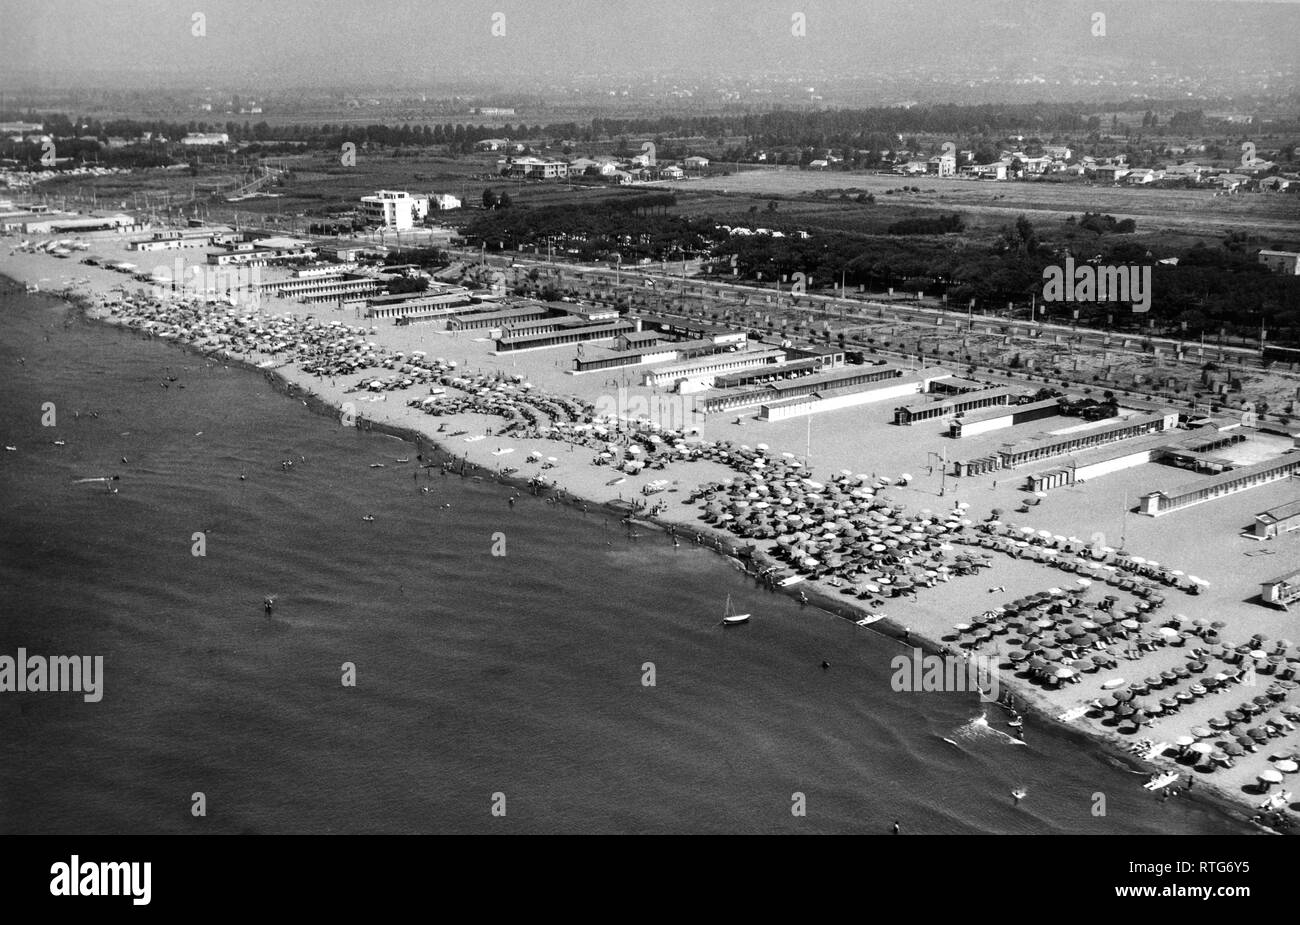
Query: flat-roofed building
(179, 238)
(834, 398)
(781, 388)
(537, 168)
(957, 404)
(62, 224)
(1074, 440)
(694, 330)
(438, 299)
(499, 318)
(394, 209)
(1157, 503)
(704, 370)
(983, 420)
(508, 343)
(321, 288)
(756, 377)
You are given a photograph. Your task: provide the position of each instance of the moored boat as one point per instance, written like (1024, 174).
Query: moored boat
(730, 618)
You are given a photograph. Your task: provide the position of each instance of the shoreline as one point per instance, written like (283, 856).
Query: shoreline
(1030, 701)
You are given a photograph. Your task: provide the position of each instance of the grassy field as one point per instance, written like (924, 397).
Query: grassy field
(1155, 210)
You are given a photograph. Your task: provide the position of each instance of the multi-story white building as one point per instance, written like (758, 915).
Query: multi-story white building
(536, 168)
(444, 201)
(395, 209)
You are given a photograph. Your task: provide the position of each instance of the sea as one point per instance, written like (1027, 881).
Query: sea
(457, 664)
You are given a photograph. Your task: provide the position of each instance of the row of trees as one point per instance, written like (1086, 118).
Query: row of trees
(1210, 289)
(633, 228)
(851, 130)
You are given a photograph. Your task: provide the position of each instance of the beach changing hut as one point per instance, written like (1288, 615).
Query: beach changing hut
(1281, 591)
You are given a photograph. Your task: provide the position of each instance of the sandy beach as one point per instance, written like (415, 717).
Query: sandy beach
(1205, 540)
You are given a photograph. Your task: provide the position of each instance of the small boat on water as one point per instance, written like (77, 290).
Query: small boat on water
(376, 465)
(1019, 793)
(729, 618)
(867, 621)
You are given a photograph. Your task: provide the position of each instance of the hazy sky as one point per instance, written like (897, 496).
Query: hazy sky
(421, 42)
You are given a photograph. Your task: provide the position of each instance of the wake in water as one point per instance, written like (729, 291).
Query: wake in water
(979, 728)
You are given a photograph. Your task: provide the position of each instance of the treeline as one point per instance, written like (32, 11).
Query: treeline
(876, 128)
(31, 154)
(942, 224)
(323, 135)
(1210, 288)
(1103, 224)
(634, 228)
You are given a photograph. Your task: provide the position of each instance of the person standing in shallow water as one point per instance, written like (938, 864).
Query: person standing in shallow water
(897, 830)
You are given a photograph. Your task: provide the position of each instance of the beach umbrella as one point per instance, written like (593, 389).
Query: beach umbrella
(1269, 777)
(1200, 732)
(1287, 766)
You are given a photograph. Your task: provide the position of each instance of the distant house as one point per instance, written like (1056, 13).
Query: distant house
(945, 165)
(1271, 184)
(640, 160)
(1285, 262)
(1142, 177)
(1184, 172)
(695, 162)
(818, 164)
(621, 177)
(205, 139)
(444, 201)
(1231, 182)
(1060, 152)
(604, 166)
(671, 172)
(1255, 170)
(1110, 173)
(995, 171)
(536, 168)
